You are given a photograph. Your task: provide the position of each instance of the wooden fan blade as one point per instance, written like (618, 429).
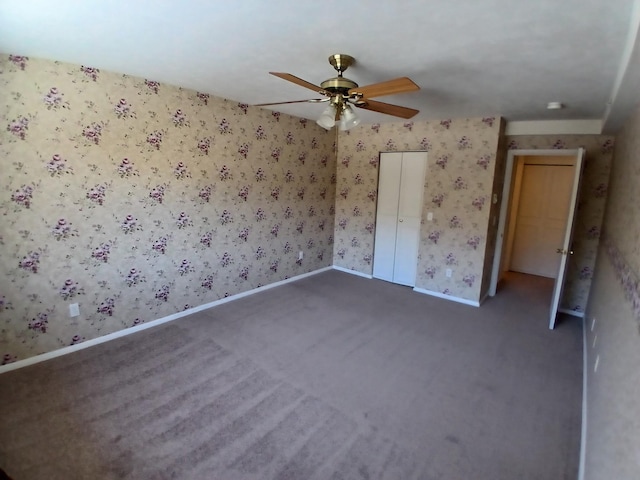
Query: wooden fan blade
(311, 100)
(397, 85)
(303, 83)
(389, 109)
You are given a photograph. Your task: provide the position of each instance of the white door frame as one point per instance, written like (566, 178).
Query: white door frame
(504, 207)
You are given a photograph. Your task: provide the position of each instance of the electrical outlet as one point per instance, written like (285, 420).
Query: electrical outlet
(300, 255)
(448, 272)
(430, 216)
(74, 310)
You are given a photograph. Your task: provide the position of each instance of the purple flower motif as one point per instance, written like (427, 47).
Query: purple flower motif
(30, 262)
(180, 171)
(324, 160)
(489, 121)
(183, 220)
(92, 133)
(341, 252)
(260, 253)
(303, 122)
(39, 324)
(430, 271)
(367, 258)
(425, 144)
(226, 217)
(154, 139)
(19, 127)
(152, 85)
(310, 243)
(355, 242)
(204, 144)
(442, 160)
(244, 273)
(244, 107)
(311, 212)
(478, 202)
(289, 177)
(356, 211)
(373, 161)
(330, 240)
(19, 60)
(450, 259)
(205, 193)
(372, 195)
(558, 145)
(276, 115)
(473, 242)
(607, 146)
(360, 146)
(343, 223)
(512, 145)
(260, 175)
(243, 150)
(125, 169)
(391, 145)
(226, 260)
(133, 277)
(160, 245)
(344, 193)
(593, 233)
(346, 160)
(375, 127)
(243, 193)
(225, 173)
(157, 194)
(287, 248)
(455, 222)
(203, 97)
(434, 236)
(484, 161)
(53, 98)
(275, 154)
(184, 267)
(97, 194)
(122, 108)
(8, 358)
(369, 227)
(408, 125)
(464, 143)
(469, 280)
(244, 234)
(260, 215)
(459, 184)
(57, 166)
(76, 339)
(446, 123)
(275, 193)
(163, 293)
(314, 143)
(357, 180)
(107, 306)
(586, 273)
(62, 229)
(90, 72)
(224, 126)
(260, 133)
(438, 199)
(313, 178)
(129, 224)
(321, 224)
(301, 192)
(289, 139)
(23, 196)
(101, 253)
(208, 282)
(300, 226)
(69, 289)
(302, 157)
(323, 193)
(274, 266)
(206, 239)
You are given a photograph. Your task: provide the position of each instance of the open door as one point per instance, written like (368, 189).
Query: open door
(565, 250)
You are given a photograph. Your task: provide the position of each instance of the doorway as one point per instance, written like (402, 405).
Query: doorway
(537, 215)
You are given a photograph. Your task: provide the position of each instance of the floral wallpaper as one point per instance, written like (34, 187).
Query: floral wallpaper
(137, 200)
(459, 184)
(591, 206)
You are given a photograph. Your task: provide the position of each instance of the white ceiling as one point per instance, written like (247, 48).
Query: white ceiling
(470, 57)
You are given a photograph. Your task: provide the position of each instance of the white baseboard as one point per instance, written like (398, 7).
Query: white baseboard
(473, 303)
(352, 272)
(571, 312)
(143, 326)
(583, 433)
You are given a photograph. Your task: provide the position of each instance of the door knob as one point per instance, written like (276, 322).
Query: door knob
(400, 220)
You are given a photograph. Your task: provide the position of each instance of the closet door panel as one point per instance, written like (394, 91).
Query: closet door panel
(387, 215)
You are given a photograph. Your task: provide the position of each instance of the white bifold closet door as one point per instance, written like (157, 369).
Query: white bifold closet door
(400, 191)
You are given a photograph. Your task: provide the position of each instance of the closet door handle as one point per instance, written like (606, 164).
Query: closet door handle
(400, 220)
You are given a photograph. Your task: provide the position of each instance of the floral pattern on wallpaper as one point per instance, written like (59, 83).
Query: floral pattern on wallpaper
(458, 189)
(137, 200)
(591, 206)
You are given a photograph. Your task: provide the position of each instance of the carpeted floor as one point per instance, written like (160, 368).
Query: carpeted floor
(330, 377)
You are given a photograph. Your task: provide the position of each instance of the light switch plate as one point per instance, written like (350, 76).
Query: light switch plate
(74, 310)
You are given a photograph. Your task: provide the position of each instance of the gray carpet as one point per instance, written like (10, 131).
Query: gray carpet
(330, 377)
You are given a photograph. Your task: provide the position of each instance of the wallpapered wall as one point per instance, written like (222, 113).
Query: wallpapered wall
(591, 206)
(458, 188)
(613, 406)
(138, 200)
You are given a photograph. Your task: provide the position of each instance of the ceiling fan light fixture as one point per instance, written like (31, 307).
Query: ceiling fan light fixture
(348, 119)
(328, 118)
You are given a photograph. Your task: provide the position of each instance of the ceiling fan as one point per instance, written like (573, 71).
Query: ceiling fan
(343, 93)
